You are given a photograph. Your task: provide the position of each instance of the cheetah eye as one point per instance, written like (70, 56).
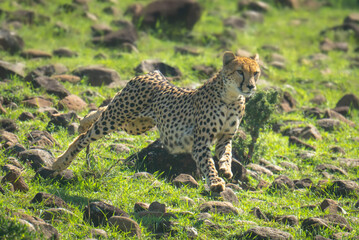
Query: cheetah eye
(240, 72)
(256, 73)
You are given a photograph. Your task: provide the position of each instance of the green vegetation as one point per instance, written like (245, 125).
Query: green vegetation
(295, 32)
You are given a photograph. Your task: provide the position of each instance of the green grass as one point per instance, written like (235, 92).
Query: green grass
(117, 187)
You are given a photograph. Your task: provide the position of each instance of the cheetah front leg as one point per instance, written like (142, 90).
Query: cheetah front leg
(224, 155)
(202, 155)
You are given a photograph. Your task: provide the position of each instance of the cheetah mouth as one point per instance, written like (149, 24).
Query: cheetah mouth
(246, 94)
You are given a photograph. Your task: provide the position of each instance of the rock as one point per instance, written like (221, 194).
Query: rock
(318, 99)
(350, 163)
(155, 158)
(328, 124)
(157, 207)
(314, 224)
(288, 3)
(13, 161)
(259, 169)
(97, 76)
(11, 69)
(73, 128)
(98, 212)
(126, 224)
(8, 125)
(296, 141)
(287, 102)
(63, 177)
(25, 116)
(235, 22)
(265, 233)
(335, 115)
(349, 100)
(37, 158)
(253, 16)
(229, 196)
(185, 50)
(337, 221)
(327, 45)
(259, 214)
(303, 183)
(313, 112)
(282, 183)
(278, 65)
(318, 237)
(14, 149)
(51, 86)
(152, 65)
(307, 132)
(203, 70)
(330, 168)
(289, 165)
(56, 214)
(170, 14)
(48, 231)
(62, 119)
(98, 233)
(8, 138)
(111, 10)
(290, 220)
(72, 102)
(67, 78)
(38, 102)
(218, 208)
(14, 176)
(64, 52)
(331, 206)
(140, 207)
(41, 139)
(46, 70)
(352, 18)
(10, 41)
(189, 202)
(343, 187)
(34, 53)
(185, 180)
(117, 38)
(120, 148)
(49, 200)
(100, 29)
(343, 110)
(142, 175)
(191, 232)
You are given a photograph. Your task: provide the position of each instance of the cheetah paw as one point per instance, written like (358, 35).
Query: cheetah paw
(218, 185)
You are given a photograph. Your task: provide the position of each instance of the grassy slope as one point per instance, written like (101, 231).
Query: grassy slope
(116, 187)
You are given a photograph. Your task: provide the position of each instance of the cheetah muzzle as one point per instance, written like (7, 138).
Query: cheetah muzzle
(187, 120)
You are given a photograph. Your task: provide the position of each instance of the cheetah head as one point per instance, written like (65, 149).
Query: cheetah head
(240, 75)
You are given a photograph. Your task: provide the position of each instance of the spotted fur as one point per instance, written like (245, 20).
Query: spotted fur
(188, 120)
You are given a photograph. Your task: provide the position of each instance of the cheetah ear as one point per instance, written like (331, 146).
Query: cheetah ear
(228, 57)
(255, 57)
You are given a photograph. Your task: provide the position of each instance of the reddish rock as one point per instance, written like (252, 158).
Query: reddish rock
(67, 78)
(14, 176)
(33, 53)
(126, 224)
(11, 69)
(37, 102)
(97, 76)
(72, 102)
(185, 180)
(49, 200)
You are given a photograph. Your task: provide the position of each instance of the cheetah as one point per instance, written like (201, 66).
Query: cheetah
(188, 120)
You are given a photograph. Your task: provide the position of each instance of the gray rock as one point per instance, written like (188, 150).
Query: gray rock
(229, 196)
(120, 148)
(259, 214)
(64, 52)
(152, 65)
(10, 41)
(98, 233)
(56, 214)
(259, 169)
(97, 76)
(265, 233)
(185, 180)
(34, 53)
(14, 176)
(290, 220)
(51, 86)
(349, 100)
(37, 158)
(41, 139)
(25, 116)
(218, 207)
(330, 168)
(343, 187)
(73, 128)
(11, 69)
(126, 224)
(282, 182)
(157, 207)
(49, 200)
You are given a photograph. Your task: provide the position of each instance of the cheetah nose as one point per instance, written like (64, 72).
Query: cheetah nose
(250, 87)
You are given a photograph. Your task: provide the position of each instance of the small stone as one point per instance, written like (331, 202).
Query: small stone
(203, 216)
(314, 224)
(229, 196)
(289, 165)
(329, 124)
(73, 128)
(41, 139)
(259, 214)
(349, 100)
(296, 141)
(25, 116)
(72, 102)
(187, 50)
(98, 233)
(282, 182)
(120, 148)
(8, 125)
(56, 214)
(335, 115)
(343, 187)
(290, 220)
(64, 52)
(218, 207)
(303, 183)
(9, 139)
(140, 206)
(14, 176)
(67, 78)
(157, 207)
(151, 65)
(34, 53)
(331, 206)
(188, 201)
(350, 163)
(49, 200)
(142, 175)
(235, 22)
(265, 233)
(185, 180)
(126, 224)
(37, 102)
(37, 158)
(318, 99)
(330, 168)
(259, 169)
(97, 76)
